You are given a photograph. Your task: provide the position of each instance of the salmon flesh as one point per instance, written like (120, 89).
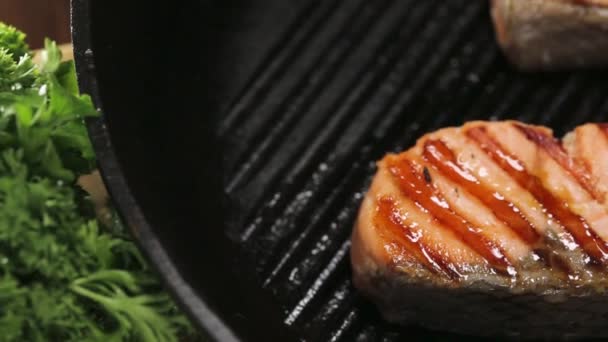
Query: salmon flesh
(491, 229)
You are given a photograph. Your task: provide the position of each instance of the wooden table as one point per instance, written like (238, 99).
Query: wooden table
(66, 50)
(38, 19)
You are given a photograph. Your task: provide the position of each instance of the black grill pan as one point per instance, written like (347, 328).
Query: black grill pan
(238, 138)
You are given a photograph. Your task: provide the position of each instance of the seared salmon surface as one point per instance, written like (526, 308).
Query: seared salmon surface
(489, 206)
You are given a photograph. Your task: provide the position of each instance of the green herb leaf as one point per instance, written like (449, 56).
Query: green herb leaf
(63, 277)
(13, 40)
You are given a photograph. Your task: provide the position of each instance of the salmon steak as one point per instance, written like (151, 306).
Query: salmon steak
(490, 229)
(553, 34)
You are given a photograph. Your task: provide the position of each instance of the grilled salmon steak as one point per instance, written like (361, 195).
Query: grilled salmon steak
(553, 34)
(493, 228)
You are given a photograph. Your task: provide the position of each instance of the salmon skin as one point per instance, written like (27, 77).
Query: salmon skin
(490, 229)
(553, 34)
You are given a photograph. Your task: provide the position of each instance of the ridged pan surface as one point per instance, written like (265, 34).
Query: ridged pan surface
(347, 83)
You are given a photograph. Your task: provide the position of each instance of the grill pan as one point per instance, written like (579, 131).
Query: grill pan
(238, 138)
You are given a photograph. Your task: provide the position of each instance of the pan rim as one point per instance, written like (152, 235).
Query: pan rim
(141, 230)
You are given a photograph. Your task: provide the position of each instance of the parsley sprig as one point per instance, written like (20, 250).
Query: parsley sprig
(63, 275)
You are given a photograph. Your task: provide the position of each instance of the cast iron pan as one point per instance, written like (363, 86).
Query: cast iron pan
(238, 137)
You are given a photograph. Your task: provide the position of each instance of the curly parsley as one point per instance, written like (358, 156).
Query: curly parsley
(63, 276)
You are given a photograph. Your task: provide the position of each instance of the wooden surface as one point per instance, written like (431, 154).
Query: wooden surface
(39, 19)
(66, 51)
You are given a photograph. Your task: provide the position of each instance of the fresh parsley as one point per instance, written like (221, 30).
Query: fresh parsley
(63, 275)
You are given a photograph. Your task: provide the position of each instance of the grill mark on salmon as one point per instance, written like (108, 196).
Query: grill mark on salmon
(389, 218)
(557, 152)
(604, 128)
(601, 168)
(575, 150)
(589, 145)
(439, 155)
(414, 186)
(580, 230)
